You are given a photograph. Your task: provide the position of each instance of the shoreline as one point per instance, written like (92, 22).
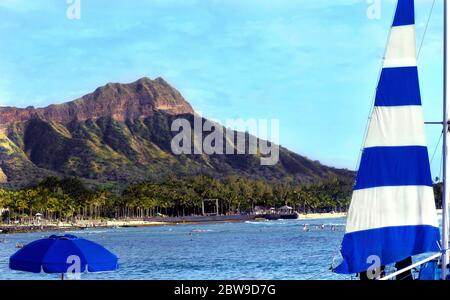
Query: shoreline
(322, 216)
(173, 221)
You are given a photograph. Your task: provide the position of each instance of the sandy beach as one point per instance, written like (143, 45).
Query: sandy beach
(322, 216)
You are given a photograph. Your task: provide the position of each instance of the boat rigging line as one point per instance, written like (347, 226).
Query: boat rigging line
(426, 29)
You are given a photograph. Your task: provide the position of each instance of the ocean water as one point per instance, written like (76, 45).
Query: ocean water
(251, 250)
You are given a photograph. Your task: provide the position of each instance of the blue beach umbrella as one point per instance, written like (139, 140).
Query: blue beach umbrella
(58, 254)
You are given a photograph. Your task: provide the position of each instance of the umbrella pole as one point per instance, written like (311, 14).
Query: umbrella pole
(62, 276)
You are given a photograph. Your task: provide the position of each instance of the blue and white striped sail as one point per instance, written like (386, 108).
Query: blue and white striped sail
(393, 214)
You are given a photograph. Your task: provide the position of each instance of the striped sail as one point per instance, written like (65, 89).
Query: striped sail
(393, 214)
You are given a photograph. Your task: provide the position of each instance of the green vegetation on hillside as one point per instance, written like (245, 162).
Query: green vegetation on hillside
(108, 150)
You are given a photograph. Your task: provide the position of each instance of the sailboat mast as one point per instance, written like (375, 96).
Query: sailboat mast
(446, 175)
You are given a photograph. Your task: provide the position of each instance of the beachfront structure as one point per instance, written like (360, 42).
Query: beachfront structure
(208, 204)
(286, 210)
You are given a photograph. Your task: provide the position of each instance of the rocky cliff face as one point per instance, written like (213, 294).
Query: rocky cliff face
(121, 133)
(119, 101)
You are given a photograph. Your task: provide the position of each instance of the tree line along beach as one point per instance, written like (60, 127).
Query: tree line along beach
(68, 203)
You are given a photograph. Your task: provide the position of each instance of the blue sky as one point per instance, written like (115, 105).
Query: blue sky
(312, 64)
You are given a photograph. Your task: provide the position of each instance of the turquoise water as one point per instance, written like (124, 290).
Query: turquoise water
(251, 250)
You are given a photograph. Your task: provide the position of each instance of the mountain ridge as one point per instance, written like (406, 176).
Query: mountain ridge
(121, 133)
(129, 101)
